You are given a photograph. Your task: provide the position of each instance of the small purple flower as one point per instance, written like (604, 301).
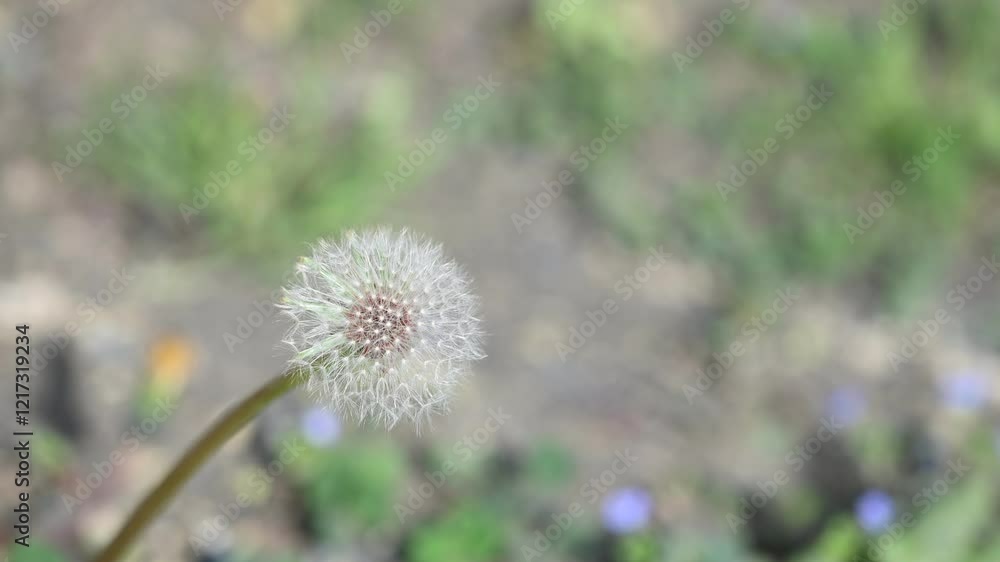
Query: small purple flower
(965, 390)
(627, 510)
(846, 404)
(874, 511)
(320, 427)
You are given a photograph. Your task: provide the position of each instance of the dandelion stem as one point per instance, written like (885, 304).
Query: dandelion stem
(223, 429)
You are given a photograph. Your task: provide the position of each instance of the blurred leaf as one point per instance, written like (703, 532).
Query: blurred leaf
(643, 547)
(51, 451)
(840, 542)
(469, 533)
(354, 485)
(951, 526)
(550, 464)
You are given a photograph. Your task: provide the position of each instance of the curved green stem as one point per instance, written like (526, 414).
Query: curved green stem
(223, 429)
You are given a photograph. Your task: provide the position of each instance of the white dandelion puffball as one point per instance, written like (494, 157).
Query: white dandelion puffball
(384, 325)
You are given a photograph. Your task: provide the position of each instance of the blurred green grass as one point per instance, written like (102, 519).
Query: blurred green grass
(323, 172)
(891, 97)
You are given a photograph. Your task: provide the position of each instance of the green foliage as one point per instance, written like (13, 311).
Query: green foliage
(353, 486)
(324, 20)
(841, 541)
(891, 98)
(644, 547)
(200, 154)
(878, 447)
(468, 533)
(951, 527)
(577, 71)
(549, 464)
(51, 453)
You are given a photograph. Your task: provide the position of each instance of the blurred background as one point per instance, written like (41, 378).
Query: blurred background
(738, 260)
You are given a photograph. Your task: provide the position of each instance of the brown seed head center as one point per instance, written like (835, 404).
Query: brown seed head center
(380, 324)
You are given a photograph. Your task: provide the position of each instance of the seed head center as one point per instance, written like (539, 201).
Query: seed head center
(380, 324)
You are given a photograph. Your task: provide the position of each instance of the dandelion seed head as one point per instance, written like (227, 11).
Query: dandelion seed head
(384, 324)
